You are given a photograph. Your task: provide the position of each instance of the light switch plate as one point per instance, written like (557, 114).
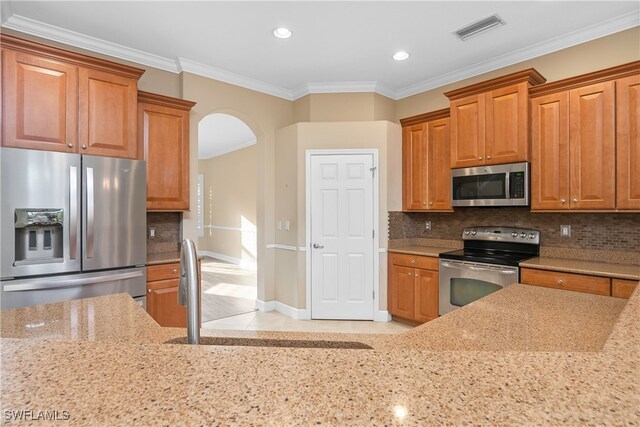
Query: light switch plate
(152, 233)
(427, 225)
(565, 230)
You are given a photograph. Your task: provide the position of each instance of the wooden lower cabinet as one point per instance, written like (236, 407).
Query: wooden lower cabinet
(413, 292)
(621, 288)
(162, 295)
(567, 281)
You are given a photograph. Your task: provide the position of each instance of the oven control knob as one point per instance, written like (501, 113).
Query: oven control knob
(514, 234)
(523, 235)
(466, 232)
(473, 232)
(532, 236)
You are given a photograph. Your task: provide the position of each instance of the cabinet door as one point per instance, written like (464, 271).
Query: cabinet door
(107, 114)
(592, 147)
(162, 303)
(401, 291)
(438, 166)
(467, 131)
(39, 102)
(550, 152)
(621, 288)
(506, 121)
(164, 133)
(426, 295)
(628, 142)
(414, 167)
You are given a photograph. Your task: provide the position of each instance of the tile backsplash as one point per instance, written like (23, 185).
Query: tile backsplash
(167, 226)
(605, 231)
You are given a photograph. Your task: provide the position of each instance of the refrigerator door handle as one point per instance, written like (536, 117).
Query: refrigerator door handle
(90, 212)
(66, 282)
(73, 212)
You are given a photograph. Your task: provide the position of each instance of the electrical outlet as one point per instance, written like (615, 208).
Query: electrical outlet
(152, 233)
(565, 230)
(427, 225)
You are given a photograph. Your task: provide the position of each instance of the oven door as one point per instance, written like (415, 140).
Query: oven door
(463, 282)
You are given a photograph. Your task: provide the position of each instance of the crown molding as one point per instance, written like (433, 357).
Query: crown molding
(61, 35)
(344, 87)
(611, 26)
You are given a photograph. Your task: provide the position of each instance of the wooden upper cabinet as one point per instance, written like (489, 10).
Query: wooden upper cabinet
(490, 120)
(550, 152)
(426, 176)
(439, 172)
(163, 127)
(506, 125)
(414, 167)
(467, 131)
(592, 146)
(58, 100)
(39, 103)
(628, 142)
(107, 114)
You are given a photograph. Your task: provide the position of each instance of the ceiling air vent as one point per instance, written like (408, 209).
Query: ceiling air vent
(479, 27)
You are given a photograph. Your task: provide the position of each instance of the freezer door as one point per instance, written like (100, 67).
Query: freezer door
(114, 213)
(47, 290)
(39, 212)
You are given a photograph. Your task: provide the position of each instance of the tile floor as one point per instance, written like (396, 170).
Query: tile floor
(227, 289)
(274, 321)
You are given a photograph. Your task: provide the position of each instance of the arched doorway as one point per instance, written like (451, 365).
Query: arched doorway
(227, 199)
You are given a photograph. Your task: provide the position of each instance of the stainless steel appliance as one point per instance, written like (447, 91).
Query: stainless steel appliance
(498, 185)
(488, 263)
(189, 289)
(73, 226)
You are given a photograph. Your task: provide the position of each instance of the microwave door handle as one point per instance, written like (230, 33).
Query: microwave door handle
(73, 212)
(507, 185)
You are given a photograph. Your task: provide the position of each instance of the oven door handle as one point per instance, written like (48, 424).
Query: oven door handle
(464, 266)
(497, 270)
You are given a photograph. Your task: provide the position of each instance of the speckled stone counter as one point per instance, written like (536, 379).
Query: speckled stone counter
(501, 360)
(619, 271)
(164, 258)
(433, 251)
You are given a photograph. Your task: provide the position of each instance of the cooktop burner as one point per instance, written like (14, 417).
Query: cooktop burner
(497, 245)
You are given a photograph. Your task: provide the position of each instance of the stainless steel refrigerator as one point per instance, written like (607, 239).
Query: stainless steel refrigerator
(72, 226)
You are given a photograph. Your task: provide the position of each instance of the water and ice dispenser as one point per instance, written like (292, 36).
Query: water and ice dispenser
(39, 236)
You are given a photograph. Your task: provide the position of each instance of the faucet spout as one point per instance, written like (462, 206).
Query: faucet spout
(189, 289)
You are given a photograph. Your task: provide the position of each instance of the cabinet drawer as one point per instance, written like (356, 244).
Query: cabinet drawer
(424, 262)
(567, 281)
(622, 288)
(163, 271)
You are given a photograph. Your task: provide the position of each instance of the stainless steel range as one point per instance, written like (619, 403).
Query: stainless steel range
(488, 263)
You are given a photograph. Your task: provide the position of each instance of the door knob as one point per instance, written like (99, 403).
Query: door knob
(317, 246)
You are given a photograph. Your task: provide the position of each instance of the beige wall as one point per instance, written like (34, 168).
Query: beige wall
(604, 52)
(343, 107)
(229, 201)
(263, 114)
(291, 191)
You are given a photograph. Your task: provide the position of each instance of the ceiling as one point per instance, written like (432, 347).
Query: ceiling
(335, 47)
(220, 134)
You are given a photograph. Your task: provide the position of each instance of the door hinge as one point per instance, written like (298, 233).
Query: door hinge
(373, 171)
(374, 294)
(373, 234)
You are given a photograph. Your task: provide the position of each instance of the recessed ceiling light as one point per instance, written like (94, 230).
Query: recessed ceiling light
(282, 33)
(400, 56)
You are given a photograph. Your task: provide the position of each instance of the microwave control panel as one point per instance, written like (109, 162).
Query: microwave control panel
(516, 185)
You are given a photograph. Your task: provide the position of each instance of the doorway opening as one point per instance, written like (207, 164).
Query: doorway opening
(227, 206)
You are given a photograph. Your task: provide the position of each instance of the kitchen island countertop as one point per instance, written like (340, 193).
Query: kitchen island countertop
(596, 268)
(523, 355)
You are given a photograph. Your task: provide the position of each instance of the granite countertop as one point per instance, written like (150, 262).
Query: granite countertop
(433, 251)
(523, 355)
(619, 271)
(164, 258)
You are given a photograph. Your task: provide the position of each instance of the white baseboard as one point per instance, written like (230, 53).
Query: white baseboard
(287, 310)
(381, 316)
(237, 261)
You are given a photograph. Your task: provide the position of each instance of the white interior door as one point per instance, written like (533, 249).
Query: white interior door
(342, 239)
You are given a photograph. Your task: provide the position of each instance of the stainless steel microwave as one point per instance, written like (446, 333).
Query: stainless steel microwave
(496, 185)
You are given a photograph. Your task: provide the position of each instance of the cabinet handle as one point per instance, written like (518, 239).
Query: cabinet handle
(175, 271)
(84, 147)
(410, 274)
(149, 290)
(430, 203)
(479, 157)
(424, 203)
(489, 156)
(417, 274)
(70, 145)
(413, 261)
(574, 200)
(560, 282)
(563, 201)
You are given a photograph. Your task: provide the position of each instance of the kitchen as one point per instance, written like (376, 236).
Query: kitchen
(270, 390)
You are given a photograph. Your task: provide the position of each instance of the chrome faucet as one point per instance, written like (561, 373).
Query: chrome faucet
(189, 289)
